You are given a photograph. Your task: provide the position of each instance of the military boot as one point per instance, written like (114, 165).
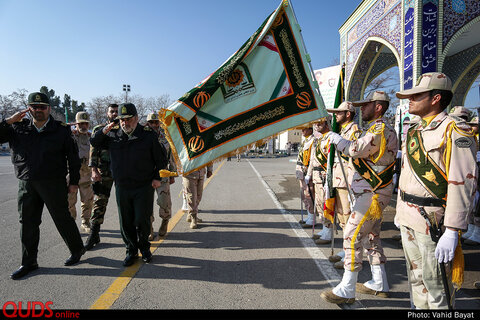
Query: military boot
(189, 218)
(93, 237)
(193, 223)
(163, 228)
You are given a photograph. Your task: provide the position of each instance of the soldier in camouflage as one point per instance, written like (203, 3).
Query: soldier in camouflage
(164, 200)
(344, 114)
(82, 138)
(102, 181)
(438, 158)
(303, 160)
(372, 158)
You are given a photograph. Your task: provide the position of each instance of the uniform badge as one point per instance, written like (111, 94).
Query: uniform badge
(463, 142)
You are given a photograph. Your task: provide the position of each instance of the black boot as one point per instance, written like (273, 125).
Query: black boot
(93, 237)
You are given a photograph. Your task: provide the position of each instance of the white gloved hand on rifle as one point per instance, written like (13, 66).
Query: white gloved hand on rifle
(335, 138)
(307, 179)
(446, 246)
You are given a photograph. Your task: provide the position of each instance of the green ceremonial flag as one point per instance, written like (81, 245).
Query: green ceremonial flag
(264, 88)
(339, 97)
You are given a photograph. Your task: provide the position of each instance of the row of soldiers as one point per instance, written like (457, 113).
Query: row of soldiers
(438, 157)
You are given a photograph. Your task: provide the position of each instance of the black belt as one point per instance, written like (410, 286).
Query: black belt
(320, 169)
(422, 201)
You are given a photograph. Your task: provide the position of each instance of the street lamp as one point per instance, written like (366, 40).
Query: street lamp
(126, 88)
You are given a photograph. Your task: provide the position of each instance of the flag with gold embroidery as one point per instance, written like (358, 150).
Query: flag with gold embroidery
(264, 88)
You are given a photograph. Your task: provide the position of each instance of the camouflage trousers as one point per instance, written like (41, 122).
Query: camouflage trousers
(319, 196)
(102, 191)
(164, 201)
(305, 195)
(193, 189)
(342, 206)
(362, 234)
(86, 194)
(424, 271)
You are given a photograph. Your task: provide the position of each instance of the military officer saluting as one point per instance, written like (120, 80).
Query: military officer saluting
(136, 161)
(43, 153)
(303, 161)
(438, 158)
(373, 158)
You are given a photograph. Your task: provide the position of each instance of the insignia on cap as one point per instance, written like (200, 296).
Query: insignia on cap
(124, 110)
(38, 98)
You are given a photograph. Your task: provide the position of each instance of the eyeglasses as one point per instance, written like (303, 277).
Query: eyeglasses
(41, 107)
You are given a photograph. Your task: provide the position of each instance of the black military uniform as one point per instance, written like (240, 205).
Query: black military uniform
(136, 160)
(42, 159)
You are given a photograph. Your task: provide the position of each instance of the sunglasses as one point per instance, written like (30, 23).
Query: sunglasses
(39, 107)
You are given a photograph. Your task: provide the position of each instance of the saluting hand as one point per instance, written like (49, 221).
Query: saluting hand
(108, 127)
(17, 116)
(72, 188)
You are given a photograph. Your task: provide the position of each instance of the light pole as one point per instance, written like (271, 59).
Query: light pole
(126, 88)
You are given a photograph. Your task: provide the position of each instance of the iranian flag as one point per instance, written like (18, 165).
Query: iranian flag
(264, 88)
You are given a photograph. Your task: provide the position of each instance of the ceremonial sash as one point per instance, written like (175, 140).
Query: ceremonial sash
(427, 172)
(376, 180)
(321, 157)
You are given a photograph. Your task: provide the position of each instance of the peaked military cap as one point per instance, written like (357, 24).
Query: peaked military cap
(82, 116)
(152, 117)
(373, 96)
(428, 82)
(35, 98)
(126, 110)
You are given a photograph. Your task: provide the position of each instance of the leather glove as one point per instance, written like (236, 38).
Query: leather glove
(307, 179)
(446, 246)
(335, 138)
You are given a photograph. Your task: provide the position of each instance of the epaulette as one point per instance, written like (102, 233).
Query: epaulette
(461, 125)
(147, 128)
(64, 124)
(356, 134)
(377, 128)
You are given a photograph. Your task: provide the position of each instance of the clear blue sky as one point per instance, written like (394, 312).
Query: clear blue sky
(90, 48)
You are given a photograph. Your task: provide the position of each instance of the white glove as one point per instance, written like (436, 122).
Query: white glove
(395, 222)
(335, 138)
(326, 190)
(446, 246)
(307, 179)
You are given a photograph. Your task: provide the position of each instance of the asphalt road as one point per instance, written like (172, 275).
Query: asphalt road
(249, 253)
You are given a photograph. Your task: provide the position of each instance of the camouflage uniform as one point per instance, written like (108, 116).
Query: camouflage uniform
(317, 171)
(438, 158)
(100, 159)
(193, 189)
(300, 172)
(361, 232)
(427, 286)
(164, 200)
(85, 183)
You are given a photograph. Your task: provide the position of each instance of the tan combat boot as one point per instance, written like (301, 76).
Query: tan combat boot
(163, 228)
(193, 223)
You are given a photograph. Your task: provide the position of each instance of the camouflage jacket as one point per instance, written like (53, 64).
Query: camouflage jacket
(303, 158)
(350, 132)
(319, 154)
(450, 147)
(100, 157)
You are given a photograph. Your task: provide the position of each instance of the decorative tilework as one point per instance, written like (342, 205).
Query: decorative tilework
(454, 18)
(381, 30)
(460, 92)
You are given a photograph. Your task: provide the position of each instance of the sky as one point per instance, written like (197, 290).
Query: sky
(91, 48)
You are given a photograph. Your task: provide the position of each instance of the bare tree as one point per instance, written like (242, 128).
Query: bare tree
(97, 108)
(13, 102)
(389, 83)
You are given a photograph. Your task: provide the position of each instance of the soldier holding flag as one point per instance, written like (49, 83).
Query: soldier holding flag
(303, 160)
(372, 156)
(349, 130)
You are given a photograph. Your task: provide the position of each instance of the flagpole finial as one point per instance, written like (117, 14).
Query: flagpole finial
(285, 3)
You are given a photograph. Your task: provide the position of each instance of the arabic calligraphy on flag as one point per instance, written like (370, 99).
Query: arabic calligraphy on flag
(264, 88)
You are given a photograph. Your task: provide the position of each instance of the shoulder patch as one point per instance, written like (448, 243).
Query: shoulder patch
(463, 142)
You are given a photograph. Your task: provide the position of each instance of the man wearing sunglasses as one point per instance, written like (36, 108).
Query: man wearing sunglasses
(43, 153)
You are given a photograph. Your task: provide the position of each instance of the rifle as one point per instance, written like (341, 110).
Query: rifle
(435, 234)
